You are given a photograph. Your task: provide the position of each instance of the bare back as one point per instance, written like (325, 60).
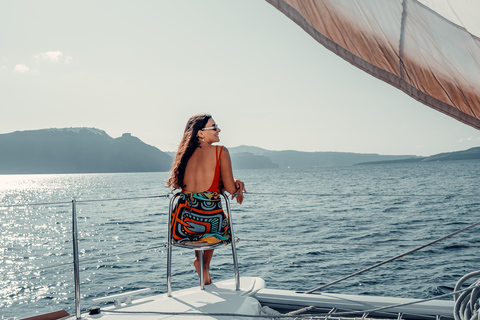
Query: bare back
(200, 170)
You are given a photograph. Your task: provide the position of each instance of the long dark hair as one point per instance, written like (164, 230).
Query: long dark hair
(186, 148)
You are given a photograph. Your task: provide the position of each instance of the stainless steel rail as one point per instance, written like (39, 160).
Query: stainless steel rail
(171, 243)
(76, 267)
(76, 260)
(234, 250)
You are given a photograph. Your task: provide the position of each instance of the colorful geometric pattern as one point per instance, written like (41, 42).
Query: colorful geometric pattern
(199, 218)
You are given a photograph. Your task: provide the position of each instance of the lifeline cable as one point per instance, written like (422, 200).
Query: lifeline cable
(38, 269)
(106, 256)
(358, 194)
(80, 201)
(394, 258)
(250, 193)
(126, 198)
(258, 193)
(373, 244)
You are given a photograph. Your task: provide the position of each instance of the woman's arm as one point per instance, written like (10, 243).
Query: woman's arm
(230, 184)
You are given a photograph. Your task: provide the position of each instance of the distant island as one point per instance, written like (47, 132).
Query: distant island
(77, 150)
(301, 159)
(470, 154)
(91, 150)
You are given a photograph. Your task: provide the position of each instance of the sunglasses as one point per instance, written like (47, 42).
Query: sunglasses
(215, 127)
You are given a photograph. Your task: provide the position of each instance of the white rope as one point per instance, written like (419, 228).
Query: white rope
(467, 303)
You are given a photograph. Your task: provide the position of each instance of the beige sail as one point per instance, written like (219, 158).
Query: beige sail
(433, 56)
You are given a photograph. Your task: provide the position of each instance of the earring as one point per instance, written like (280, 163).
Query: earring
(203, 139)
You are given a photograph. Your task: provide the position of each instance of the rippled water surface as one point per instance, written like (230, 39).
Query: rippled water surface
(298, 229)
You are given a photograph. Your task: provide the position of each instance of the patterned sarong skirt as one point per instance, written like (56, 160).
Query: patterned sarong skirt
(199, 218)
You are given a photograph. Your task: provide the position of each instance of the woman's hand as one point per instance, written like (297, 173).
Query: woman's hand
(240, 190)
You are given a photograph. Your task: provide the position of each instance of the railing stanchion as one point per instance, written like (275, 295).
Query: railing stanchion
(76, 268)
(169, 247)
(234, 251)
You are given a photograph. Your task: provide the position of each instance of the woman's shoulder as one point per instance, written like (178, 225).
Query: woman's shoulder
(214, 150)
(223, 148)
(225, 154)
(218, 147)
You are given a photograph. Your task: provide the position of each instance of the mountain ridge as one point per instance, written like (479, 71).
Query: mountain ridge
(91, 150)
(77, 150)
(469, 154)
(305, 159)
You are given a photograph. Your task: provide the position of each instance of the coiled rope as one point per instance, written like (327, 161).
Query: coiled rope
(467, 304)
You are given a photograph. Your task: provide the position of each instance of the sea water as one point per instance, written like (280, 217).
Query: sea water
(297, 229)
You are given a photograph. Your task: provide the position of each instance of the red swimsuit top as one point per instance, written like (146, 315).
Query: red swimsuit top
(216, 178)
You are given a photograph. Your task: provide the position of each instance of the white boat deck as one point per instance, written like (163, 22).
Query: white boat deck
(221, 301)
(217, 298)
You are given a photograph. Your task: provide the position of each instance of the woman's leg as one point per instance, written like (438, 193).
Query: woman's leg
(207, 257)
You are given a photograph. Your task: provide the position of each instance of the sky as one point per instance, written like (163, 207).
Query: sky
(144, 67)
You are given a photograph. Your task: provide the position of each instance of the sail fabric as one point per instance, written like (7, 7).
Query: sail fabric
(430, 49)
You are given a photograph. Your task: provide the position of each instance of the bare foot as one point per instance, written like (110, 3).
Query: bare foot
(206, 274)
(207, 277)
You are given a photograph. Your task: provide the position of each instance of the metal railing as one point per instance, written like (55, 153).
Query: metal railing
(76, 267)
(171, 243)
(75, 246)
(76, 260)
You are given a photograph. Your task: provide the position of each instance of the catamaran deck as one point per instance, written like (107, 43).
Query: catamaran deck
(216, 299)
(221, 301)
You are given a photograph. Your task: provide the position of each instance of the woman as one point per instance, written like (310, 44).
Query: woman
(202, 170)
